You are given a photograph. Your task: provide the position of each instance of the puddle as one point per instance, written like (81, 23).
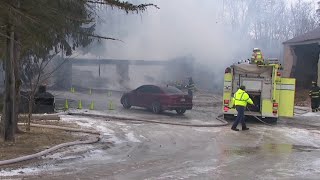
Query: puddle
(271, 148)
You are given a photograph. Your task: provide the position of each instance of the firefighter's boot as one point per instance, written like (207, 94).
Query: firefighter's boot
(234, 129)
(244, 128)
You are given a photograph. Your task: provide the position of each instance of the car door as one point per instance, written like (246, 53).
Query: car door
(152, 95)
(138, 96)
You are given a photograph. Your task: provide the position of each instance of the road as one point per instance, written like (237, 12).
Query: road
(132, 150)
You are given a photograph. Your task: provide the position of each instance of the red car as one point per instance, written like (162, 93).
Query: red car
(158, 99)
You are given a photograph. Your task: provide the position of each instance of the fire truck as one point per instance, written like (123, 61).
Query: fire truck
(272, 94)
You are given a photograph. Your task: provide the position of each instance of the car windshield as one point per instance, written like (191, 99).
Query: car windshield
(171, 90)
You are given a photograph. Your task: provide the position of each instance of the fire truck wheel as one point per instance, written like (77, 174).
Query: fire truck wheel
(271, 120)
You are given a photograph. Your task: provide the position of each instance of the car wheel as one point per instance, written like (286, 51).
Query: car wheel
(181, 111)
(125, 103)
(156, 107)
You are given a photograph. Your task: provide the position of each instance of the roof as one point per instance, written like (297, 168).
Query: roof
(309, 37)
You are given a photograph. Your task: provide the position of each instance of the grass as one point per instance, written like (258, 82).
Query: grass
(36, 140)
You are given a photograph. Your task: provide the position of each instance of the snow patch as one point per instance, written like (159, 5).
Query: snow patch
(65, 153)
(316, 163)
(15, 172)
(120, 124)
(25, 171)
(132, 138)
(142, 137)
(188, 173)
(311, 114)
(301, 136)
(95, 123)
(211, 130)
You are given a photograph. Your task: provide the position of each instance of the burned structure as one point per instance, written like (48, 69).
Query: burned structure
(120, 74)
(301, 58)
(44, 101)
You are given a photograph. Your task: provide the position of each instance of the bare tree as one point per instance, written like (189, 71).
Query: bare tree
(34, 76)
(268, 23)
(304, 17)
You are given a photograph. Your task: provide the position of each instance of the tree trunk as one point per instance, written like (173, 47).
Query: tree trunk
(17, 50)
(8, 122)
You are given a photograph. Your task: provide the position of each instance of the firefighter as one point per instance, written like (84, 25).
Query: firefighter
(240, 101)
(314, 95)
(191, 87)
(257, 57)
(178, 85)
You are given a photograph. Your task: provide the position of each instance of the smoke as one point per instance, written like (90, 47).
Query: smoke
(216, 33)
(179, 28)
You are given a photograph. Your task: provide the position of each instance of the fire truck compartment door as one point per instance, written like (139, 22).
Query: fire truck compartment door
(252, 85)
(286, 90)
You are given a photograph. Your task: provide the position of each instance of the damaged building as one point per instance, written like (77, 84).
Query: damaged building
(301, 58)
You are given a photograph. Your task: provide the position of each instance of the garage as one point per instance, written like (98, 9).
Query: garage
(301, 58)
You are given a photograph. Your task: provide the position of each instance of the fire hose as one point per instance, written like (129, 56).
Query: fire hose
(54, 148)
(256, 117)
(219, 118)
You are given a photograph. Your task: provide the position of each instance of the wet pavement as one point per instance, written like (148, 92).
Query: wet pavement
(136, 150)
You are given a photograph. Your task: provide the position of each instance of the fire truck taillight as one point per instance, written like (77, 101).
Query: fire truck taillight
(275, 108)
(226, 102)
(278, 73)
(226, 109)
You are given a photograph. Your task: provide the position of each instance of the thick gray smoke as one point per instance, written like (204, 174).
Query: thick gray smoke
(177, 29)
(215, 32)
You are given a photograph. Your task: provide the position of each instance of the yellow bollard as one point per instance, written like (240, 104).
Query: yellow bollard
(66, 105)
(111, 106)
(91, 105)
(80, 105)
(72, 90)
